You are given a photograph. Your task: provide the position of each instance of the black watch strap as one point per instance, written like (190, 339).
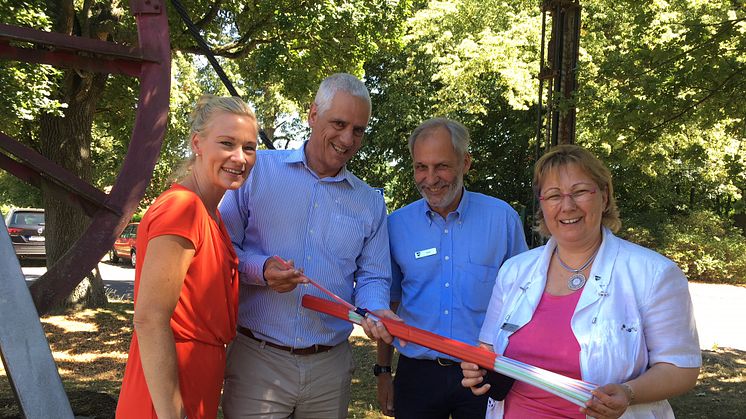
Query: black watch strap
(381, 369)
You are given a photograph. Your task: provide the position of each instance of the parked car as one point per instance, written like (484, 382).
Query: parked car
(26, 230)
(124, 246)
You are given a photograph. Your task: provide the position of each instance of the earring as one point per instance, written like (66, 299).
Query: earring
(197, 154)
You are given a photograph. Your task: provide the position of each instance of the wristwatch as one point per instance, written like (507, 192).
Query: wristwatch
(381, 369)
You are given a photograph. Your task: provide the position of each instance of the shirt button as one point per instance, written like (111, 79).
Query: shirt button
(308, 257)
(447, 258)
(310, 231)
(448, 284)
(315, 204)
(445, 231)
(445, 312)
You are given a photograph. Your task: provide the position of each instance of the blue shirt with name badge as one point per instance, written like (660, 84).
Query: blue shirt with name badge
(333, 228)
(443, 270)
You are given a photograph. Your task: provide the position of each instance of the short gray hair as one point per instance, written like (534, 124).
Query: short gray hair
(340, 82)
(459, 134)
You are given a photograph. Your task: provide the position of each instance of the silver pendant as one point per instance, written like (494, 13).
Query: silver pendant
(576, 281)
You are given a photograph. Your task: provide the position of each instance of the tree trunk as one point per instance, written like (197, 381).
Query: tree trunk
(66, 140)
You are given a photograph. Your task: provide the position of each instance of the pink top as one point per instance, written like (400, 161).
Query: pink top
(547, 341)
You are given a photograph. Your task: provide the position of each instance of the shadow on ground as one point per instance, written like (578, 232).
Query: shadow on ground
(90, 348)
(720, 390)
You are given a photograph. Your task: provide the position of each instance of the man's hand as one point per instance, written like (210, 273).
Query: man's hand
(281, 278)
(376, 330)
(385, 388)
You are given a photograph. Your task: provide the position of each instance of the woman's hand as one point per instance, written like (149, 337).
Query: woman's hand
(609, 401)
(473, 376)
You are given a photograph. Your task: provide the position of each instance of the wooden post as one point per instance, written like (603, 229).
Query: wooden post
(559, 70)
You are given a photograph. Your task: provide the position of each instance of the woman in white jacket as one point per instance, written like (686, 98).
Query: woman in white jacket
(589, 305)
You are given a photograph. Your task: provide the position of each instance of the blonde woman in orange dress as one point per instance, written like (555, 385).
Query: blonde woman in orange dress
(186, 288)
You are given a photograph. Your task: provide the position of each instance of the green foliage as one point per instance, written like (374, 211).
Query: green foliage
(705, 246)
(275, 52)
(16, 193)
(468, 60)
(280, 50)
(661, 99)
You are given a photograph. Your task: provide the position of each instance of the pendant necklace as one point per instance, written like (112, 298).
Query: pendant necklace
(577, 279)
(198, 192)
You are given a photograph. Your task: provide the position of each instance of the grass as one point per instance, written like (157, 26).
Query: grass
(90, 348)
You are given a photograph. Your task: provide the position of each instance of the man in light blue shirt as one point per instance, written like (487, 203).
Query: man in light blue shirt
(446, 250)
(305, 206)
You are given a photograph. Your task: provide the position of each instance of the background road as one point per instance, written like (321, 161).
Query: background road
(718, 309)
(119, 279)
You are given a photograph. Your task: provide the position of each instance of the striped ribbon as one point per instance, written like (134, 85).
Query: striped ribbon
(575, 391)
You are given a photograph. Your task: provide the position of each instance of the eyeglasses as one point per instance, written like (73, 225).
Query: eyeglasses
(581, 195)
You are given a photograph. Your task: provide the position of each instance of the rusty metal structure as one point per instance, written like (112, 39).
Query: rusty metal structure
(555, 113)
(25, 351)
(558, 72)
(150, 62)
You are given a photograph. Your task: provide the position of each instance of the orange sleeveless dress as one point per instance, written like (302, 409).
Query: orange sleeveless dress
(204, 320)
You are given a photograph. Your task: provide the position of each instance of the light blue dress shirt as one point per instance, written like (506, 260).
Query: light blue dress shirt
(334, 228)
(443, 271)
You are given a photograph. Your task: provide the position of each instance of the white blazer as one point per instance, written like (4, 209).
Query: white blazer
(635, 311)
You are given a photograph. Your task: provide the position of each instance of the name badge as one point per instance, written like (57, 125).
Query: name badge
(424, 253)
(508, 327)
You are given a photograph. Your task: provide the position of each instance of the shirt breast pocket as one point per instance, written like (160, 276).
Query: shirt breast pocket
(344, 236)
(616, 343)
(476, 285)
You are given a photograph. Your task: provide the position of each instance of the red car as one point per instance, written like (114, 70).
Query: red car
(125, 246)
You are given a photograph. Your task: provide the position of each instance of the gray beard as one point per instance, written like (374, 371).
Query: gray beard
(450, 196)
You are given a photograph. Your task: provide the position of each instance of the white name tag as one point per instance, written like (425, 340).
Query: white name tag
(425, 253)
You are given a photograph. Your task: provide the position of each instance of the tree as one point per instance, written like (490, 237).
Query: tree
(662, 100)
(281, 49)
(468, 60)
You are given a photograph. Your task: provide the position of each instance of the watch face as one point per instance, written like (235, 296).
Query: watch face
(377, 370)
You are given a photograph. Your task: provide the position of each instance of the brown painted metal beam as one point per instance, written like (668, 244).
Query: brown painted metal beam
(75, 44)
(69, 59)
(137, 168)
(61, 178)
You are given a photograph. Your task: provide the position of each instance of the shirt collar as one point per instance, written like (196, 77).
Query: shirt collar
(460, 210)
(299, 156)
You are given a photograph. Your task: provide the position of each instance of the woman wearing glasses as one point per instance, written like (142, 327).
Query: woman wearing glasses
(589, 305)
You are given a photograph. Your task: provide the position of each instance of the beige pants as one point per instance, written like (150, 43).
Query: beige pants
(265, 382)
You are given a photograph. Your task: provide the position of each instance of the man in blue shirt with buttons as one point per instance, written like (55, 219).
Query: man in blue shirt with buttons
(304, 205)
(446, 250)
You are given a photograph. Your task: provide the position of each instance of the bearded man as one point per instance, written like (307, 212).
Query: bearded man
(446, 250)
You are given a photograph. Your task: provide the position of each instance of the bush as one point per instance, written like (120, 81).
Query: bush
(705, 246)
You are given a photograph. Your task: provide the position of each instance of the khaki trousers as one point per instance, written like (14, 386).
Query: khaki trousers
(266, 382)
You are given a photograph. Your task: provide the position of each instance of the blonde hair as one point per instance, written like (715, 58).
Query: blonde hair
(204, 110)
(563, 155)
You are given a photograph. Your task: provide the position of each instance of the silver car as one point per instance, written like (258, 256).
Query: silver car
(26, 230)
